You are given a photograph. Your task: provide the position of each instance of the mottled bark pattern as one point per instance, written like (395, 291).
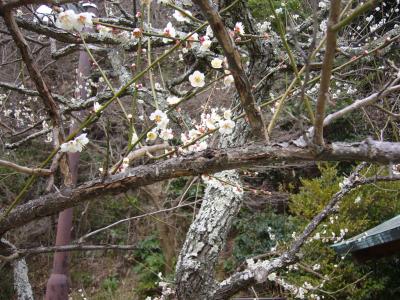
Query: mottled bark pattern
(206, 238)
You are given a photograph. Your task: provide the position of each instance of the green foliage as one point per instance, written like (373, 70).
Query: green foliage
(82, 277)
(261, 8)
(361, 210)
(258, 233)
(149, 262)
(110, 285)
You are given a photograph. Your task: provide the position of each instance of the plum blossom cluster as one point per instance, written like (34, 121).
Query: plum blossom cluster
(196, 138)
(161, 120)
(75, 145)
(69, 20)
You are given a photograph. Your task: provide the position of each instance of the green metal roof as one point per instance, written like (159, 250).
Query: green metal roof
(386, 232)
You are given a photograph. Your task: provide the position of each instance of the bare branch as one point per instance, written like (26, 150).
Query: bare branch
(18, 253)
(360, 103)
(26, 170)
(326, 73)
(81, 239)
(26, 139)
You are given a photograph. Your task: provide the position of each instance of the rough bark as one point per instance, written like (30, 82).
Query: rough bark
(206, 162)
(206, 238)
(21, 281)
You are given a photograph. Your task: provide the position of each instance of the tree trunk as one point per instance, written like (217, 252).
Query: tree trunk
(21, 280)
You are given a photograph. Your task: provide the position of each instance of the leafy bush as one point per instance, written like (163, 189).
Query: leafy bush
(149, 262)
(361, 210)
(331, 275)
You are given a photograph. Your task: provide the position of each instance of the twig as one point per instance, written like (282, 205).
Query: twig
(18, 253)
(26, 170)
(81, 239)
(26, 139)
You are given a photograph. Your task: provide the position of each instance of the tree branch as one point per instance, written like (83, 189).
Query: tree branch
(242, 83)
(36, 77)
(326, 73)
(204, 162)
(18, 253)
(26, 170)
(259, 271)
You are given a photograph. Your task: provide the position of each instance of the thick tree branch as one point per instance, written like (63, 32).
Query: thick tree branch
(242, 83)
(205, 162)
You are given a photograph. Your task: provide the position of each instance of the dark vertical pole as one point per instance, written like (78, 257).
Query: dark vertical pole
(57, 285)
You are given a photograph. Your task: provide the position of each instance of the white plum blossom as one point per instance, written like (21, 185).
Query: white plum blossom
(158, 116)
(228, 80)
(151, 136)
(163, 124)
(216, 63)
(226, 126)
(84, 20)
(271, 277)
(227, 114)
(210, 120)
(182, 17)
(76, 145)
(82, 139)
(69, 20)
(134, 138)
(66, 20)
(169, 31)
(205, 43)
(197, 79)
(239, 28)
(166, 134)
(96, 106)
(173, 100)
